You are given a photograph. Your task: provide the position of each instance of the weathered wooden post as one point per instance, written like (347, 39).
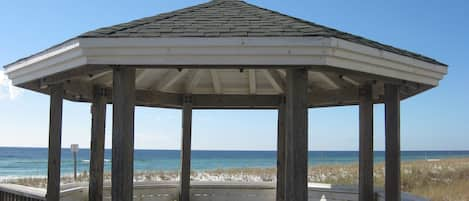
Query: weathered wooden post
(55, 141)
(366, 190)
(184, 191)
(280, 190)
(392, 127)
(296, 135)
(123, 100)
(98, 124)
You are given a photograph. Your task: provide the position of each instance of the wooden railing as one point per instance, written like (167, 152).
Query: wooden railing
(199, 192)
(11, 192)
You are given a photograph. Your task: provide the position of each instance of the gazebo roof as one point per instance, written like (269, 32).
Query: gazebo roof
(232, 18)
(204, 49)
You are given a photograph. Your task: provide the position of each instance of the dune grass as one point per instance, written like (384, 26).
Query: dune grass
(445, 180)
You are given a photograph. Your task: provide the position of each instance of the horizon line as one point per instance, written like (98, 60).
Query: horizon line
(146, 149)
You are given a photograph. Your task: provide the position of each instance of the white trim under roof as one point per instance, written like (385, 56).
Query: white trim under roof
(200, 52)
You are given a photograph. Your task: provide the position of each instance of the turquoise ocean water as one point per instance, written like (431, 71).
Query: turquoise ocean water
(19, 162)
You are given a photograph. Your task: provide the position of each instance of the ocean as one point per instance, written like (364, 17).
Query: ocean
(31, 162)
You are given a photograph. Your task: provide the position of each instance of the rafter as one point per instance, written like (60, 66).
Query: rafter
(216, 82)
(328, 80)
(193, 81)
(275, 79)
(252, 81)
(141, 75)
(350, 80)
(98, 75)
(171, 77)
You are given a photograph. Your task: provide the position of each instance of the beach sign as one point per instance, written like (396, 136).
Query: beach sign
(74, 148)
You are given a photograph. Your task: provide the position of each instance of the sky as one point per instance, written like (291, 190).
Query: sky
(437, 119)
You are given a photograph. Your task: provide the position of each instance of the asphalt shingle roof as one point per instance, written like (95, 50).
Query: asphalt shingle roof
(232, 18)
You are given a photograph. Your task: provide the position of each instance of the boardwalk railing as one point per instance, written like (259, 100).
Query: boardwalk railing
(199, 192)
(12, 192)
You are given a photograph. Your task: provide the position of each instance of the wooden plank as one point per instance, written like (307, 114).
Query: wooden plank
(158, 99)
(123, 134)
(98, 124)
(366, 191)
(320, 98)
(88, 71)
(392, 132)
(184, 193)
(280, 190)
(55, 142)
(216, 82)
(252, 81)
(235, 101)
(296, 166)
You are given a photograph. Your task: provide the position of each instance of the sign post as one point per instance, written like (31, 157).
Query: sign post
(74, 148)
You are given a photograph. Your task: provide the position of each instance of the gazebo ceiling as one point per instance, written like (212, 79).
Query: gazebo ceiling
(227, 49)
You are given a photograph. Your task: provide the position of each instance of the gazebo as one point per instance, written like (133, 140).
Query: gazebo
(225, 54)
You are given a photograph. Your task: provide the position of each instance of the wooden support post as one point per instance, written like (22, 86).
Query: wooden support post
(98, 113)
(296, 135)
(392, 127)
(123, 98)
(55, 142)
(280, 190)
(184, 191)
(74, 166)
(366, 191)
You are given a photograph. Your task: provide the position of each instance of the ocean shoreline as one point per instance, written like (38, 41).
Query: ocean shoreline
(20, 162)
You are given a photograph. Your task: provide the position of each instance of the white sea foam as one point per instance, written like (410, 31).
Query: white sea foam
(88, 161)
(3, 179)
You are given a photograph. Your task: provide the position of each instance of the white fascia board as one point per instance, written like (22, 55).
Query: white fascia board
(307, 51)
(57, 59)
(352, 56)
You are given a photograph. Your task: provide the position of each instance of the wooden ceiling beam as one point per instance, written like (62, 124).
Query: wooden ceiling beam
(88, 71)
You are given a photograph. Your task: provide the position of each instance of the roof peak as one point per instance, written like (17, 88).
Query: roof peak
(231, 18)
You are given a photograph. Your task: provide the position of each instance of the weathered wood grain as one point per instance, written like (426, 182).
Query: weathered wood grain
(98, 113)
(55, 142)
(123, 134)
(392, 132)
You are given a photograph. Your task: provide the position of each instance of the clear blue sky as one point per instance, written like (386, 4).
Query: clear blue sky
(435, 120)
